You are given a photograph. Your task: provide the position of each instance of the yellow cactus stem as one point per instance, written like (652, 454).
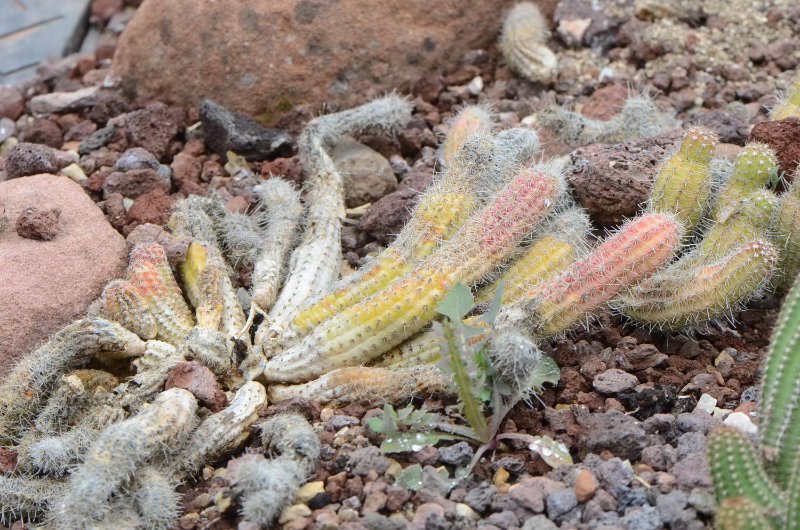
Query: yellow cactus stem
(786, 233)
(745, 220)
(756, 164)
(121, 302)
(381, 322)
(149, 272)
(523, 43)
(694, 290)
(559, 243)
(203, 287)
(440, 212)
(470, 120)
(316, 262)
(359, 384)
(636, 250)
(683, 184)
(789, 105)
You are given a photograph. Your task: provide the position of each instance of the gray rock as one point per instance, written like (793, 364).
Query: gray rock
(660, 457)
(136, 158)
(613, 431)
(703, 501)
(63, 101)
(367, 458)
(539, 522)
(694, 422)
(503, 520)
(630, 497)
(613, 473)
(688, 443)
(134, 183)
(643, 518)
(368, 176)
(225, 131)
(26, 159)
(614, 381)
(339, 421)
(480, 497)
(560, 502)
(376, 521)
(531, 492)
(97, 139)
(671, 505)
(459, 454)
(692, 471)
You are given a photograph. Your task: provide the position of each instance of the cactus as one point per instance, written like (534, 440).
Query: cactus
(523, 43)
(741, 221)
(203, 286)
(155, 499)
(152, 369)
(316, 261)
(754, 168)
(34, 376)
(471, 120)
(638, 118)
(221, 432)
(281, 213)
(27, 498)
(239, 238)
(789, 104)
(736, 471)
(741, 513)
(370, 328)
(640, 247)
(268, 486)
(370, 385)
(211, 348)
(119, 450)
(787, 235)
(780, 392)
(151, 276)
(121, 302)
(440, 212)
(683, 184)
(695, 289)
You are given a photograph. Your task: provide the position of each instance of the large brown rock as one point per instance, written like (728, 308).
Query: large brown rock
(46, 284)
(257, 57)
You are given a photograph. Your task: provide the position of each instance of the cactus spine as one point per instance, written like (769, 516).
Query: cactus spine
(121, 302)
(471, 120)
(639, 248)
(683, 184)
(693, 290)
(26, 497)
(370, 328)
(742, 221)
(787, 234)
(523, 43)
(789, 105)
(755, 165)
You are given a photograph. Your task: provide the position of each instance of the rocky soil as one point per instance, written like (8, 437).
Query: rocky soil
(633, 406)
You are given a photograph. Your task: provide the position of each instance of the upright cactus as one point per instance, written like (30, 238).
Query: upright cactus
(370, 328)
(281, 213)
(743, 220)
(695, 289)
(755, 166)
(683, 184)
(741, 513)
(640, 247)
(471, 120)
(523, 43)
(789, 104)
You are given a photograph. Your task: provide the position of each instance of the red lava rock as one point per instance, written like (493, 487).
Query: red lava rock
(186, 174)
(200, 381)
(79, 131)
(115, 211)
(152, 127)
(42, 225)
(32, 159)
(42, 131)
(611, 181)
(530, 492)
(585, 485)
(337, 64)
(12, 103)
(237, 204)
(784, 137)
(605, 102)
(175, 246)
(45, 285)
(388, 215)
(108, 103)
(8, 461)
(134, 183)
(151, 207)
(590, 24)
(288, 168)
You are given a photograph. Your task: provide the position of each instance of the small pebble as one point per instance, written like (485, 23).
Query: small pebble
(741, 421)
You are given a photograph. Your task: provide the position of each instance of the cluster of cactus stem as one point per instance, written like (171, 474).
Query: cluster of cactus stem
(710, 238)
(523, 43)
(757, 485)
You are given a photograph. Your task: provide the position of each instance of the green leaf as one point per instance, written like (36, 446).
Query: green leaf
(552, 452)
(495, 305)
(413, 441)
(546, 371)
(410, 478)
(457, 303)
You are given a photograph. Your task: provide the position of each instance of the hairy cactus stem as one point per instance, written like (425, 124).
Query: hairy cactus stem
(755, 166)
(470, 120)
(640, 247)
(121, 302)
(786, 233)
(694, 290)
(683, 184)
(523, 43)
(789, 104)
(374, 326)
(742, 221)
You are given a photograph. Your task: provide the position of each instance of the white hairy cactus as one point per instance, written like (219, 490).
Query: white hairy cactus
(523, 43)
